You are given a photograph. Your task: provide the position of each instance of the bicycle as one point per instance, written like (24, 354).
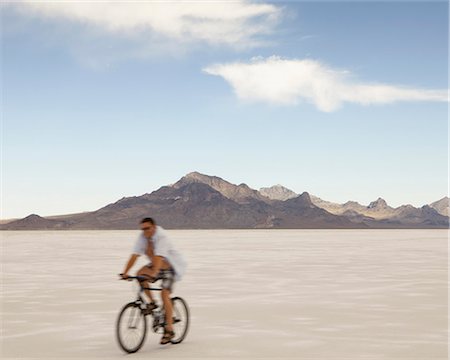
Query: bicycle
(132, 323)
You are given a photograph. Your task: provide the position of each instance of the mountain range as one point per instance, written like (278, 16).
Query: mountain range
(199, 201)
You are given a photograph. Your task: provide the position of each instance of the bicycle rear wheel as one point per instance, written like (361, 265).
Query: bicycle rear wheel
(180, 319)
(131, 328)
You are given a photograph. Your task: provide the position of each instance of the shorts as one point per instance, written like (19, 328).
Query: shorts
(166, 275)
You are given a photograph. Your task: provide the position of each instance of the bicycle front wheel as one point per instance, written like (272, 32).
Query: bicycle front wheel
(180, 319)
(131, 328)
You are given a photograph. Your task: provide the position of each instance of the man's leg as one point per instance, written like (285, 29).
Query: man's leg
(165, 294)
(145, 270)
(167, 282)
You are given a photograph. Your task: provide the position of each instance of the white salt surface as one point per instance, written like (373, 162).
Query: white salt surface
(300, 294)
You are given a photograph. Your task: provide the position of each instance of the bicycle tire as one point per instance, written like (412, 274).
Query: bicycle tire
(120, 318)
(178, 300)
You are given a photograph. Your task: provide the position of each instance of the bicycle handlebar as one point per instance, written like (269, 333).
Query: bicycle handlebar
(139, 278)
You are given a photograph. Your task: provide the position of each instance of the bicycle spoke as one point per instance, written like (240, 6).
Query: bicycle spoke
(131, 328)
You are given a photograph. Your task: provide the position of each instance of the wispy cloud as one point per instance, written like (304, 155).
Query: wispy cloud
(235, 23)
(290, 81)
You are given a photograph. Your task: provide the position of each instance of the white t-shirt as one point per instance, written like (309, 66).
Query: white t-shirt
(162, 246)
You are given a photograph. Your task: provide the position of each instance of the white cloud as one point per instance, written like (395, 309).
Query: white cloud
(235, 23)
(289, 81)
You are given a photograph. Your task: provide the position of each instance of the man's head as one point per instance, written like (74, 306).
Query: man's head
(148, 226)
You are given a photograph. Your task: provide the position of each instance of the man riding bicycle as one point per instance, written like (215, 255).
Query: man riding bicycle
(166, 263)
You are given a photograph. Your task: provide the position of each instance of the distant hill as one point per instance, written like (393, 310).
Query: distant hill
(34, 221)
(199, 201)
(406, 215)
(441, 206)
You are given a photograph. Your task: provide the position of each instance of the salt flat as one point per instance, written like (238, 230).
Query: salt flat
(300, 294)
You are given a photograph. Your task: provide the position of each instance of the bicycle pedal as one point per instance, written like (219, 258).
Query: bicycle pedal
(149, 310)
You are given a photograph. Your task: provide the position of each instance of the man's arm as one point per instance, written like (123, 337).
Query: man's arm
(130, 264)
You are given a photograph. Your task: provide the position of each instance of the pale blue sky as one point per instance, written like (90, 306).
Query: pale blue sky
(90, 116)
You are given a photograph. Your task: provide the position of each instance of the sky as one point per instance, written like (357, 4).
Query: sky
(344, 100)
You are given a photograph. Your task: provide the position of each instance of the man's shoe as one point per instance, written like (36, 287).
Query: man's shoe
(168, 335)
(150, 307)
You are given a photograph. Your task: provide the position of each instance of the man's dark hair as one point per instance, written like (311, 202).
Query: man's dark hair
(149, 220)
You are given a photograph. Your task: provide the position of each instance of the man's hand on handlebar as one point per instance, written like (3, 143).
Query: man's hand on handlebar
(124, 276)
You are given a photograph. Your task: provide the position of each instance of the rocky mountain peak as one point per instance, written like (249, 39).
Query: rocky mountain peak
(239, 193)
(378, 204)
(351, 203)
(302, 200)
(277, 192)
(441, 206)
(195, 176)
(33, 217)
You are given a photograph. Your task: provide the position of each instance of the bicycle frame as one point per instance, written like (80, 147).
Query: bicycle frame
(159, 318)
(140, 279)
